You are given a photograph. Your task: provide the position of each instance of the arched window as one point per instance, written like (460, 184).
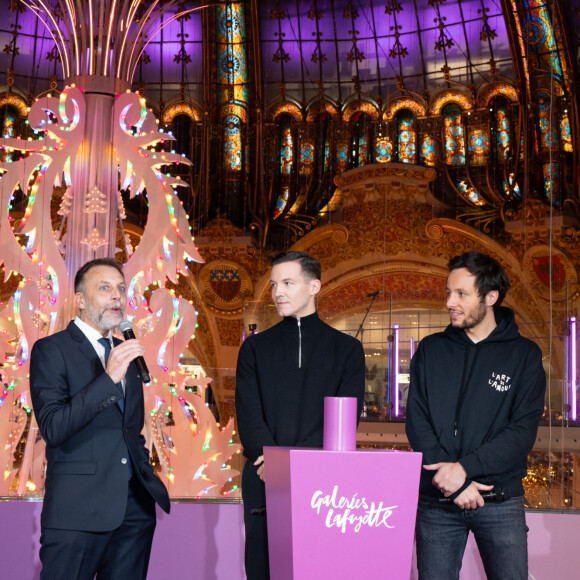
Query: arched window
(323, 145)
(322, 184)
(233, 143)
(503, 142)
(478, 145)
(469, 193)
(406, 137)
(502, 124)
(383, 145)
(565, 132)
(10, 126)
(286, 161)
(360, 139)
(184, 130)
(306, 162)
(454, 135)
(9, 119)
(281, 202)
(430, 149)
(285, 138)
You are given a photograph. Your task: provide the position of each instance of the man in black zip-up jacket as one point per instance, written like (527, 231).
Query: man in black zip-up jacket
(282, 377)
(475, 400)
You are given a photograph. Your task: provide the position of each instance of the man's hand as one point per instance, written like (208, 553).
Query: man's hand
(120, 358)
(470, 498)
(449, 477)
(260, 464)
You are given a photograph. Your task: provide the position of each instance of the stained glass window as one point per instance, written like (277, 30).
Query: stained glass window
(233, 143)
(511, 188)
(550, 172)
(430, 150)
(10, 126)
(384, 150)
(360, 128)
(306, 162)
(547, 135)
(406, 137)
(286, 140)
(503, 131)
(565, 133)
(454, 135)
(187, 142)
(342, 155)
(383, 145)
(469, 193)
(323, 152)
(9, 117)
(478, 145)
(281, 202)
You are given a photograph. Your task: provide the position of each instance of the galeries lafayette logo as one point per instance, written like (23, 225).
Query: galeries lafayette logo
(352, 512)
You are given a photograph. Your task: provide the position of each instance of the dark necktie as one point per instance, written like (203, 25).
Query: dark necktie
(121, 402)
(107, 344)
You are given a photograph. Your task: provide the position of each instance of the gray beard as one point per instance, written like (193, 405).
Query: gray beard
(101, 319)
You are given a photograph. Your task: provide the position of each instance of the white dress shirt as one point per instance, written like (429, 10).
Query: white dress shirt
(94, 335)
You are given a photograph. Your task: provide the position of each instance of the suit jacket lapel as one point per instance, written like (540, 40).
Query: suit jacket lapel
(88, 350)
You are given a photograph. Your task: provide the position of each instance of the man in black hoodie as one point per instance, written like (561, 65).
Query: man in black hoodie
(475, 400)
(282, 377)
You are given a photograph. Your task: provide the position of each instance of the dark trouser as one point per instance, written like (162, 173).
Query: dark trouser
(499, 529)
(256, 553)
(120, 554)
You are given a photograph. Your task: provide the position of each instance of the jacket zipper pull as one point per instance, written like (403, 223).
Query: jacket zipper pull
(299, 344)
(455, 428)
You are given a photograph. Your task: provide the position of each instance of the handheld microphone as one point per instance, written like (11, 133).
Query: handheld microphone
(374, 294)
(126, 327)
(499, 495)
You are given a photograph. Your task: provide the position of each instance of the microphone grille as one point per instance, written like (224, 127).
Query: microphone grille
(125, 325)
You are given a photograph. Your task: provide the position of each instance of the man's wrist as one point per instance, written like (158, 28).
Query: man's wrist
(465, 485)
(460, 466)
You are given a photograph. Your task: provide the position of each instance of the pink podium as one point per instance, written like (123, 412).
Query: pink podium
(340, 514)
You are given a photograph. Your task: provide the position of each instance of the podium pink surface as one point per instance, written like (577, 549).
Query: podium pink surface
(344, 513)
(340, 514)
(205, 542)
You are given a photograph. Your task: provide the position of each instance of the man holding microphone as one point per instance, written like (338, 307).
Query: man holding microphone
(98, 515)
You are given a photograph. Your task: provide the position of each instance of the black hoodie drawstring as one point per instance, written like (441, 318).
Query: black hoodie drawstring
(464, 385)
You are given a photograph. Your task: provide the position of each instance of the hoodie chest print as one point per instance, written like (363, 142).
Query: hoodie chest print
(500, 382)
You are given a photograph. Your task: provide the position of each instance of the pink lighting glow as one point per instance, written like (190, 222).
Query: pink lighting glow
(573, 375)
(396, 369)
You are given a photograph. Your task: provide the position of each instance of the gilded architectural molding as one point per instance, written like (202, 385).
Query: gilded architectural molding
(229, 331)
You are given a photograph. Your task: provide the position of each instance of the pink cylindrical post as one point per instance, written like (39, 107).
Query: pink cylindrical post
(340, 418)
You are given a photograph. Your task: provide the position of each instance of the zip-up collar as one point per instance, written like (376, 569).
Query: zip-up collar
(306, 323)
(299, 344)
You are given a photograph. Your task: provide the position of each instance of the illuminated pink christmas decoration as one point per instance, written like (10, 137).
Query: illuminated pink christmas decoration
(95, 139)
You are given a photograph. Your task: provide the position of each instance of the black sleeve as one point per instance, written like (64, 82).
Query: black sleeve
(418, 427)
(252, 427)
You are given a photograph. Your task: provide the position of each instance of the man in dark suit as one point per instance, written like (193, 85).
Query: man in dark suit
(98, 516)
